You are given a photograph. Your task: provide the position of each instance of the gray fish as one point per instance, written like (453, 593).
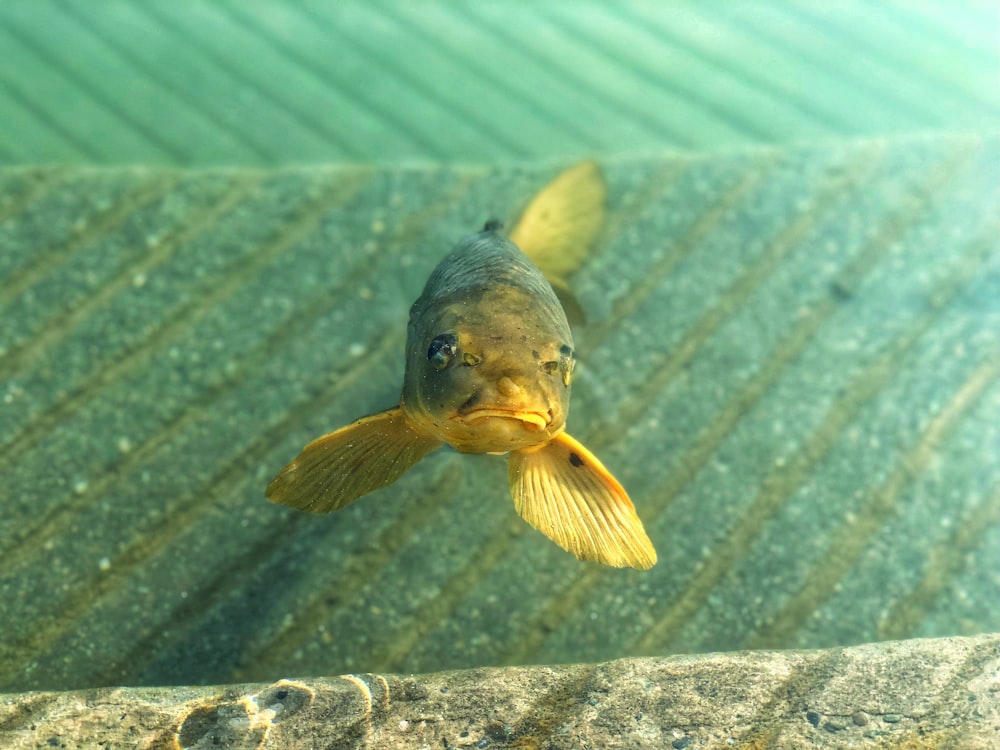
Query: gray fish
(489, 365)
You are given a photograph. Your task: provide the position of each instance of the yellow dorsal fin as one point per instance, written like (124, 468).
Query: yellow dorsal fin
(560, 226)
(338, 468)
(566, 493)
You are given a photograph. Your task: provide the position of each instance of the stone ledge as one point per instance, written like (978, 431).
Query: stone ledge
(917, 693)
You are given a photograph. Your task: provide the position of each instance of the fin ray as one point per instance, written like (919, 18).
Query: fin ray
(565, 492)
(336, 469)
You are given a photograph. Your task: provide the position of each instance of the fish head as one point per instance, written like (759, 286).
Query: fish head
(487, 373)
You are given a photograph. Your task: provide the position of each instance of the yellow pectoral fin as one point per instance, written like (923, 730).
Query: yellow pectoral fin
(559, 227)
(566, 493)
(336, 469)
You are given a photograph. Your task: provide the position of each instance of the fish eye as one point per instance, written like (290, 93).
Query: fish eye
(567, 363)
(442, 349)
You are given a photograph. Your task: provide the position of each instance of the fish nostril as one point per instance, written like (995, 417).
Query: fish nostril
(507, 387)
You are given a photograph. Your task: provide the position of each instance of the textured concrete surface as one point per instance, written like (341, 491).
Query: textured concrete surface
(941, 693)
(791, 363)
(268, 82)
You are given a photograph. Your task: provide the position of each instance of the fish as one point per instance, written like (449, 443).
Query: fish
(489, 364)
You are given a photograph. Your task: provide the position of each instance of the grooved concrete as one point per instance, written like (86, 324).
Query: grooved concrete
(791, 363)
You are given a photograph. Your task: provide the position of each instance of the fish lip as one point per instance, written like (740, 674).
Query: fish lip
(535, 420)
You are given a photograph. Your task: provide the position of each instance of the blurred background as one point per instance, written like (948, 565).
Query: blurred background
(196, 83)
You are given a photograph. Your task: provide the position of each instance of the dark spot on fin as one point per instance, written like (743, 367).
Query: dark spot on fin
(578, 504)
(493, 225)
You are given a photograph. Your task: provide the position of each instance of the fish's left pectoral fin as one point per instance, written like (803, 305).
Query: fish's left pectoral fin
(565, 492)
(575, 314)
(336, 469)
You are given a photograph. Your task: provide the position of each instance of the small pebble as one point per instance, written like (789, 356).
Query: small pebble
(892, 718)
(860, 718)
(813, 718)
(681, 742)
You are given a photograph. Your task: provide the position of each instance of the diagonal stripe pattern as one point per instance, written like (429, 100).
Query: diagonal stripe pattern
(791, 364)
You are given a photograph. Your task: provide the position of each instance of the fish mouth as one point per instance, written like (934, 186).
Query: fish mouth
(532, 420)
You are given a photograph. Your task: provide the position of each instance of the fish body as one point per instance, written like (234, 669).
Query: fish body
(489, 365)
(489, 310)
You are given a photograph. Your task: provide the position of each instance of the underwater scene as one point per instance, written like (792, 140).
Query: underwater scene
(761, 250)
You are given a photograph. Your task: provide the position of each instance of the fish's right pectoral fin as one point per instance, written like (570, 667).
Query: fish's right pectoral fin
(336, 469)
(566, 493)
